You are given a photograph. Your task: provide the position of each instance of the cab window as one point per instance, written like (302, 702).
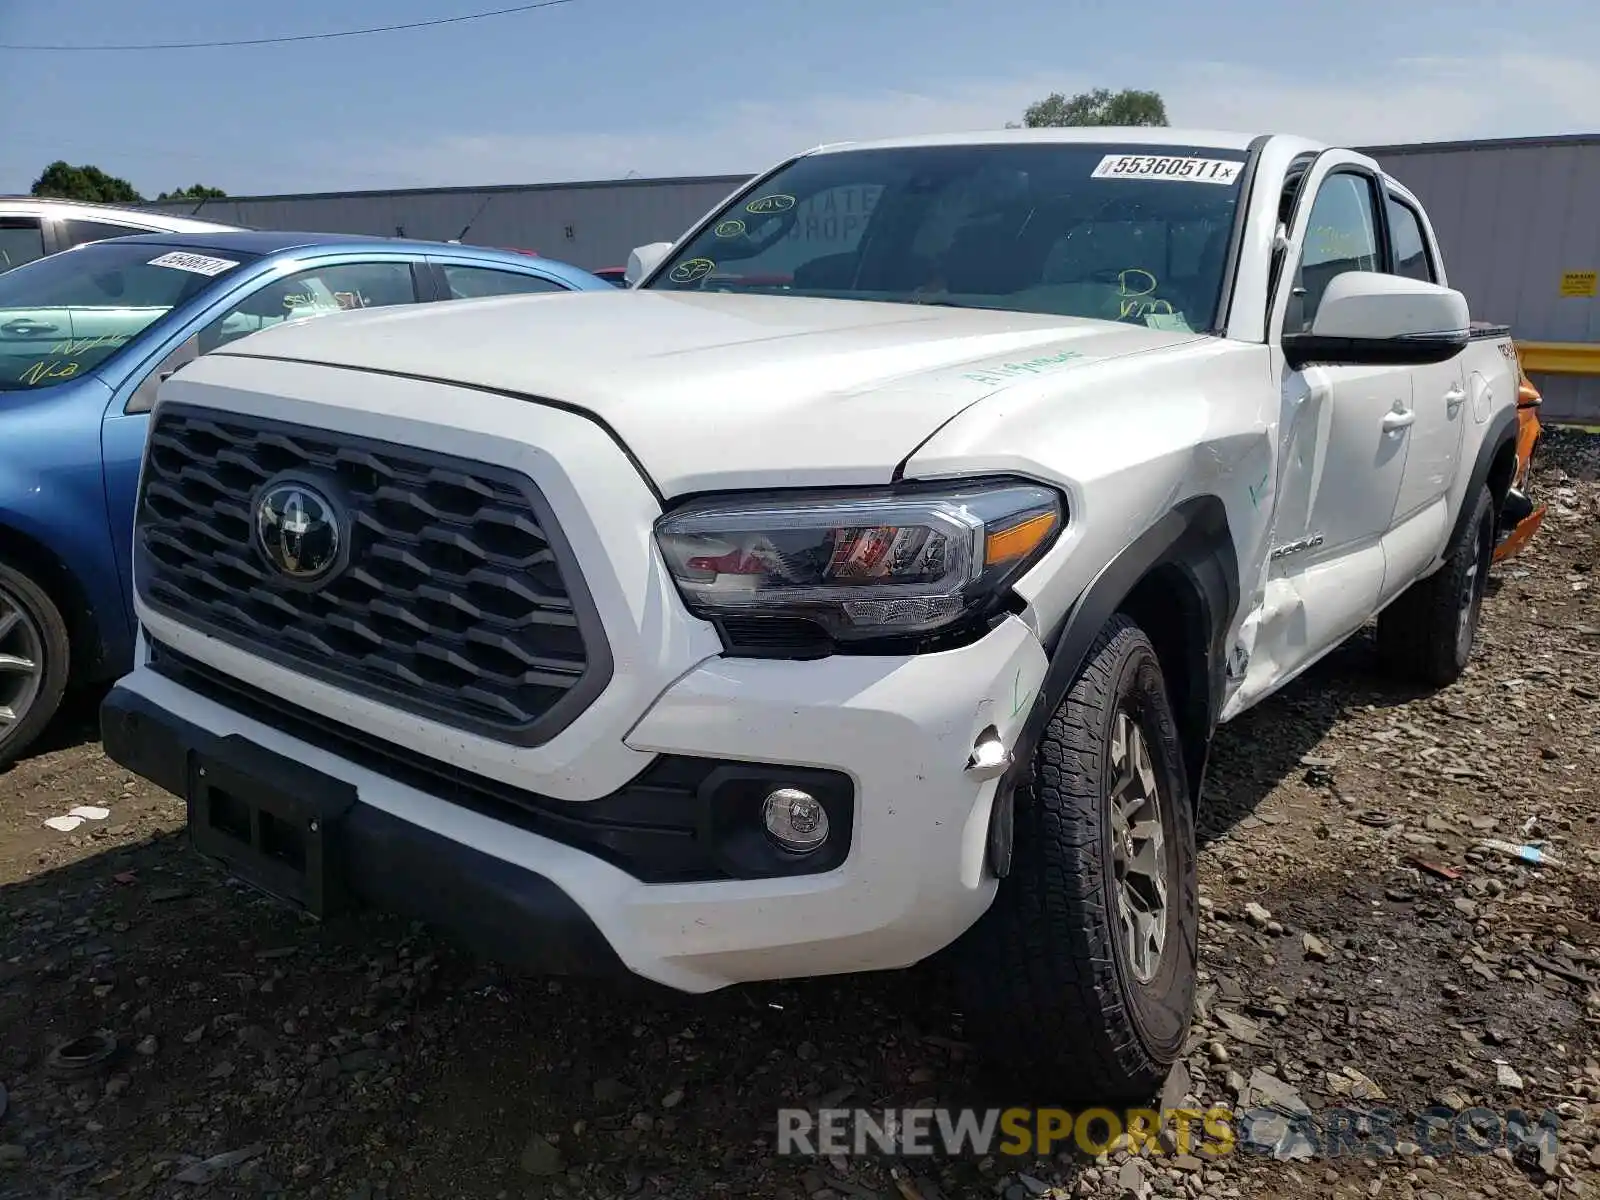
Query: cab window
(76, 232)
(1341, 236)
(473, 283)
(1410, 248)
(315, 292)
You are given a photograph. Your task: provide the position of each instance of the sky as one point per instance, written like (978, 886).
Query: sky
(604, 89)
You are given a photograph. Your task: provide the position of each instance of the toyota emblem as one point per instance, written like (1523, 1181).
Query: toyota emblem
(297, 529)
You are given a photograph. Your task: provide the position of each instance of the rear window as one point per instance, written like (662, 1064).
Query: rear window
(66, 315)
(21, 241)
(77, 232)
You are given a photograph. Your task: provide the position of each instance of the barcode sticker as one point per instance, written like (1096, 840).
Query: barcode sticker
(197, 264)
(1168, 166)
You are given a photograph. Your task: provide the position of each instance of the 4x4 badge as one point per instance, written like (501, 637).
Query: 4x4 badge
(1306, 543)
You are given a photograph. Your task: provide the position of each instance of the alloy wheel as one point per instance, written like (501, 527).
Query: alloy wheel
(21, 662)
(1470, 597)
(1138, 848)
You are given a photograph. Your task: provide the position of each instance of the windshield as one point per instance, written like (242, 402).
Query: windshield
(66, 315)
(1121, 232)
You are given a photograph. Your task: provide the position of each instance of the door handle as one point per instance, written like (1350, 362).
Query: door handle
(23, 326)
(1398, 419)
(1455, 396)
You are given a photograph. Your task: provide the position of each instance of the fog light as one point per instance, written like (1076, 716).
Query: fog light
(795, 820)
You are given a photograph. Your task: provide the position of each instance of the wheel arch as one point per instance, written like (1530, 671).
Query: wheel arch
(1179, 581)
(1495, 466)
(66, 592)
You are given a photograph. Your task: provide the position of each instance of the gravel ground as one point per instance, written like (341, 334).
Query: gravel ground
(1362, 953)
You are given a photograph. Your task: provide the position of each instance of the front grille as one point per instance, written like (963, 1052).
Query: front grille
(459, 601)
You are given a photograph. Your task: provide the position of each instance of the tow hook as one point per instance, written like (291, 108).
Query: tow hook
(1515, 509)
(989, 759)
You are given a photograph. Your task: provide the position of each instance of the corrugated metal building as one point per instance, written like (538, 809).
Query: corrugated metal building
(1519, 220)
(588, 224)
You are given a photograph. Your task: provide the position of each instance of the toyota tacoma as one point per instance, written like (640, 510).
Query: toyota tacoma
(864, 581)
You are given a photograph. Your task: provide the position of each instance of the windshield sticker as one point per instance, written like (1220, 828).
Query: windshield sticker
(1145, 307)
(1014, 370)
(729, 229)
(195, 264)
(1135, 286)
(776, 203)
(1169, 167)
(1171, 322)
(1136, 281)
(105, 341)
(48, 369)
(692, 269)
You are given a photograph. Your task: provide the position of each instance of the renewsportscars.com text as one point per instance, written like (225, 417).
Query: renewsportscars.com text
(1202, 1133)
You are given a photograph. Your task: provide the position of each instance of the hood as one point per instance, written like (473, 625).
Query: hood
(711, 390)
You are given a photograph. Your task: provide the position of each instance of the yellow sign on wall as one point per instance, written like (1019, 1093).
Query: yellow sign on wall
(1580, 283)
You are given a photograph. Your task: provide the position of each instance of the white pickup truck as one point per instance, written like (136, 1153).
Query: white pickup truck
(867, 579)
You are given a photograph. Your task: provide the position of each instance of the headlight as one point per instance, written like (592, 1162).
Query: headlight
(861, 564)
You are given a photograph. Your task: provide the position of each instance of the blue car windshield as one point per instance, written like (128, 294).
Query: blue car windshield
(1130, 232)
(66, 315)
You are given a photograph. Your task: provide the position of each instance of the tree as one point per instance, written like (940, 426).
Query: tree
(86, 183)
(1099, 107)
(198, 191)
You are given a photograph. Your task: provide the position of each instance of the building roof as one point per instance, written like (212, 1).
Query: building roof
(1518, 143)
(484, 189)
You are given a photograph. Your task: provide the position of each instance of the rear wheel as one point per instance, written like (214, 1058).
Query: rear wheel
(34, 657)
(1080, 978)
(1426, 635)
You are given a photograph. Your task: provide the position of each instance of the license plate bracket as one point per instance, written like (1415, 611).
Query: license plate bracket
(272, 821)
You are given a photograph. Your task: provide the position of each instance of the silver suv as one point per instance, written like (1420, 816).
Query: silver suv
(34, 226)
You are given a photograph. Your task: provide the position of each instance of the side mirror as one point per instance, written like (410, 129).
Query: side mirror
(644, 259)
(144, 396)
(1368, 318)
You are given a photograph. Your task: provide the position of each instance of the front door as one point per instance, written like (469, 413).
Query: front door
(1349, 427)
(1440, 392)
(1343, 442)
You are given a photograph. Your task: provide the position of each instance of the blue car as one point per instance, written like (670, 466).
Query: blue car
(86, 337)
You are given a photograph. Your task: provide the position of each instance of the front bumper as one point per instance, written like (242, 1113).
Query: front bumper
(489, 904)
(898, 730)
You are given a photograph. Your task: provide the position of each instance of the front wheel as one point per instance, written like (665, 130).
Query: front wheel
(1081, 976)
(34, 654)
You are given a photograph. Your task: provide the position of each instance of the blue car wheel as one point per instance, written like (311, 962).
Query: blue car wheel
(34, 657)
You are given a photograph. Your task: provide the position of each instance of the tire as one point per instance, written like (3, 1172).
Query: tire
(32, 632)
(1426, 635)
(1048, 981)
